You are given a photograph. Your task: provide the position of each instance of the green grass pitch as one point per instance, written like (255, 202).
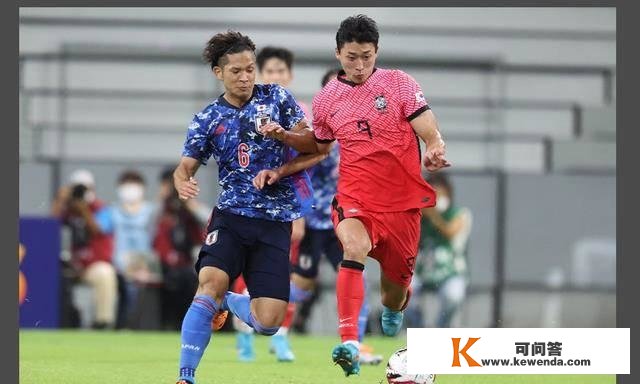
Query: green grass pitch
(84, 357)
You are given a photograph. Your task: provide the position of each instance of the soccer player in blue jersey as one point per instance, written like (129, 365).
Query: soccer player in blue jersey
(275, 65)
(250, 229)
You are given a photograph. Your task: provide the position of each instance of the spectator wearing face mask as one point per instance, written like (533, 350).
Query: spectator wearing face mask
(131, 221)
(442, 263)
(77, 206)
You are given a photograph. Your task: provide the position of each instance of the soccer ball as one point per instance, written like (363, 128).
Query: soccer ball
(397, 371)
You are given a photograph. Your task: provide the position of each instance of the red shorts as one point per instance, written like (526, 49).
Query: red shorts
(394, 237)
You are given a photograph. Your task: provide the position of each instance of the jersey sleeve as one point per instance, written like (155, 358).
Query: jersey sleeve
(198, 144)
(321, 130)
(290, 111)
(411, 97)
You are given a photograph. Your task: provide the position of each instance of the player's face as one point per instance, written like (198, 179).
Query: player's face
(276, 71)
(238, 75)
(357, 60)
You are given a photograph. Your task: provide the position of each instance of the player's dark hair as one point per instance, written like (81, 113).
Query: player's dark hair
(360, 29)
(270, 52)
(441, 179)
(329, 75)
(226, 43)
(130, 176)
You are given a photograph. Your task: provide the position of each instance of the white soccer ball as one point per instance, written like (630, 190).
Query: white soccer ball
(397, 371)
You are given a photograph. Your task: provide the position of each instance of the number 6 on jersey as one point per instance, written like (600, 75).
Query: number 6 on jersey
(243, 155)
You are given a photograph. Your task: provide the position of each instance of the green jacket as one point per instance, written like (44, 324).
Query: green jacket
(441, 258)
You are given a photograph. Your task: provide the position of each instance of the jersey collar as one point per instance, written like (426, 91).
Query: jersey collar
(349, 82)
(224, 101)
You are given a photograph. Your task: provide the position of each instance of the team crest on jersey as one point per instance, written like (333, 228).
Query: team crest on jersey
(381, 104)
(262, 118)
(212, 237)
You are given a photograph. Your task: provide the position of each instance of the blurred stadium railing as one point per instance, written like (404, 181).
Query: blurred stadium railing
(528, 114)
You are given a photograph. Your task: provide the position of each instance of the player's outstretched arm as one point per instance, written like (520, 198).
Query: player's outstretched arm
(300, 137)
(183, 178)
(297, 164)
(426, 127)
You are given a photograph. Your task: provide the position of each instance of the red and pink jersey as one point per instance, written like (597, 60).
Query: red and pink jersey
(380, 167)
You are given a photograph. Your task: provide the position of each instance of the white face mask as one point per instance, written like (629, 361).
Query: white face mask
(442, 203)
(130, 193)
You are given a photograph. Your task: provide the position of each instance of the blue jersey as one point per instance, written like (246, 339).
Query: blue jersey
(324, 179)
(132, 232)
(230, 134)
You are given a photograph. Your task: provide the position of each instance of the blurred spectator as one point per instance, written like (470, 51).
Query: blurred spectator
(131, 222)
(180, 229)
(91, 249)
(442, 260)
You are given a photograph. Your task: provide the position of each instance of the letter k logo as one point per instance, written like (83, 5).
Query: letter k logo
(457, 352)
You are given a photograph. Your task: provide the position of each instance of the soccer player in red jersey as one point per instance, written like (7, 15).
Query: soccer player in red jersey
(377, 116)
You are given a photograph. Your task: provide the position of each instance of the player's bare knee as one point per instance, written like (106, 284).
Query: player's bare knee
(213, 282)
(212, 289)
(356, 250)
(267, 323)
(270, 318)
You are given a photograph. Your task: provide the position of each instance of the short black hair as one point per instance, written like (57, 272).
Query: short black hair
(358, 28)
(226, 43)
(329, 75)
(131, 176)
(270, 52)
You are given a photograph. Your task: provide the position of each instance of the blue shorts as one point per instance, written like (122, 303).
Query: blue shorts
(315, 243)
(256, 248)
